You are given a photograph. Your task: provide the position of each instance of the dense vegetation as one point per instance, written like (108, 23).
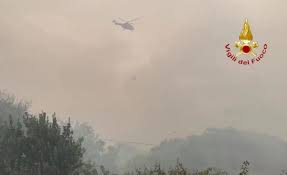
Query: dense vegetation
(40, 145)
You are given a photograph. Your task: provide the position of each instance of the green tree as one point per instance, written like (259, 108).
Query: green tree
(10, 106)
(94, 146)
(41, 148)
(11, 154)
(244, 168)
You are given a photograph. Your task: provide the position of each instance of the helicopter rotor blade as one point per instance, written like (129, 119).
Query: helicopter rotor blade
(134, 19)
(122, 20)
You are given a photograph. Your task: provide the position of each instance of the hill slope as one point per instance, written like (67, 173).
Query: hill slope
(221, 148)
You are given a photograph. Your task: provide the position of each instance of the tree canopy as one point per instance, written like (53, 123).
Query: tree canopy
(39, 147)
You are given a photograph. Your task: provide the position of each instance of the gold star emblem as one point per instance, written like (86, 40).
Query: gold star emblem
(245, 43)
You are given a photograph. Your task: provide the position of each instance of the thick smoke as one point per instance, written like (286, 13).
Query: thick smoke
(220, 148)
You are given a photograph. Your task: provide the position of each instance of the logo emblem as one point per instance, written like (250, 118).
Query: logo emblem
(246, 47)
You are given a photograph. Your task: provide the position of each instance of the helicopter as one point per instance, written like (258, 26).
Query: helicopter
(126, 25)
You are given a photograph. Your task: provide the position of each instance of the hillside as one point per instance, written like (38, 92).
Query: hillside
(221, 148)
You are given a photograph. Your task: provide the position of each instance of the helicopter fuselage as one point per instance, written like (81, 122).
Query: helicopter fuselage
(125, 26)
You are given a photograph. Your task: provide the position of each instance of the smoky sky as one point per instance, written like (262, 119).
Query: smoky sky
(66, 56)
